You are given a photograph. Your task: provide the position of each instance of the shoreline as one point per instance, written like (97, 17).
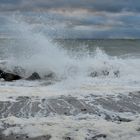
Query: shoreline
(69, 112)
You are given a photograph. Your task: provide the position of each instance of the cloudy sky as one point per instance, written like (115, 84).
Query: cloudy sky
(80, 18)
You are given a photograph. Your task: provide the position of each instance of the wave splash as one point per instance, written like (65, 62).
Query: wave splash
(32, 52)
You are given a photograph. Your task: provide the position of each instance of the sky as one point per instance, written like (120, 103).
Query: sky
(79, 18)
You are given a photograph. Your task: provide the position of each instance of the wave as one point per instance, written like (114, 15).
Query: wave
(32, 52)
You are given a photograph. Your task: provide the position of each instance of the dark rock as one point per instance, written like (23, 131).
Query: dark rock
(1, 71)
(65, 113)
(117, 73)
(102, 73)
(50, 76)
(27, 137)
(34, 76)
(67, 138)
(123, 119)
(99, 136)
(93, 74)
(105, 72)
(83, 109)
(9, 76)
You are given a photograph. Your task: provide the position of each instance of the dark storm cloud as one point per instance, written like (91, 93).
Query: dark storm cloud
(81, 18)
(95, 5)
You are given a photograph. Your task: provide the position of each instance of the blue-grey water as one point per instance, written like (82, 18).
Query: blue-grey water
(113, 47)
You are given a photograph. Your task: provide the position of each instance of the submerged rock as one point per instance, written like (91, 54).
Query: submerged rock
(117, 73)
(9, 76)
(50, 76)
(93, 74)
(99, 136)
(34, 76)
(19, 70)
(100, 73)
(104, 73)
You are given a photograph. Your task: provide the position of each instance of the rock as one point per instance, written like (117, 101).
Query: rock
(123, 119)
(99, 136)
(83, 109)
(105, 72)
(117, 73)
(1, 71)
(19, 70)
(9, 76)
(68, 138)
(50, 76)
(100, 73)
(93, 74)
(34, 76)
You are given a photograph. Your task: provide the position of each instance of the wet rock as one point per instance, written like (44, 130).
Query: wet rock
(96, 137)
(100, 73)
(123, 119)
(83, 109)
(105, 72)
(34, 76)
(9, 76)
(116, 73)
(50, 76)
(68, 138)
(1, 71)
(93, 74)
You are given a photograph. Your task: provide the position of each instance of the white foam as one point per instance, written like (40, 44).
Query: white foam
(76, 127)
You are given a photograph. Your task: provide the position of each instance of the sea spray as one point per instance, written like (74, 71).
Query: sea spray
(35, 52)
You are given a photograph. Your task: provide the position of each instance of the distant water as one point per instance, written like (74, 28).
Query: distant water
(113, 47)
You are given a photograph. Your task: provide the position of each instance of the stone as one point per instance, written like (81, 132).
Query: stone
(34, 76)
(96, 137)
(105, 72)
(9, 76)
(117, 73)
(50, 76)
(93, 74)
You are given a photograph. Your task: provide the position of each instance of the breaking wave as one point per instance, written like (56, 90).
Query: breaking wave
(32, 51)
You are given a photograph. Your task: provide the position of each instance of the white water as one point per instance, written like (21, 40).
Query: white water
(35, 52)
(60, 127)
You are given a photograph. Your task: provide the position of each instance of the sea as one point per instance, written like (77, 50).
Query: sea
(100, 74)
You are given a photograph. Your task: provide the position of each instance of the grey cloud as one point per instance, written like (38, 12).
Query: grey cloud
(104, 18)
(93, 5)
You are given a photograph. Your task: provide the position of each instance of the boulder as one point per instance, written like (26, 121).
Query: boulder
(9, 76)
(34, 76)
(117, 73)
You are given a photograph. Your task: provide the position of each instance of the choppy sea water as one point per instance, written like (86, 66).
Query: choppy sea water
(93, 94)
